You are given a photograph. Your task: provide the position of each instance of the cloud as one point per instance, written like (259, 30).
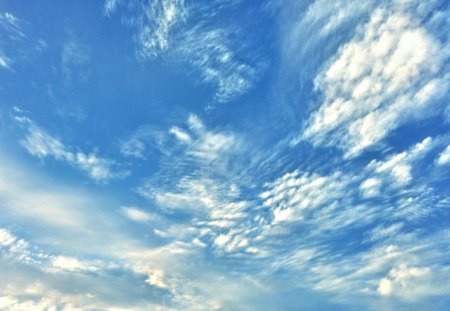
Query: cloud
(211, 53)
(41, 144)
(99, 169)
(155, 23)
(444, 157)
(262, 221)
(6, 238)
(155, 26)
(133, 148)
(293, 195)
(14, 248)
(4, 62)
(204, 193)
(377, 82)
(385, 232)
(16, 303)
(74, 60)
(71, 264)
(397, 168)
(142, 142)
(10, 26)
(110, 6)
(36, 280)
(410, 283)
(10, 31)
(197, 144)
(181, 135)
(136, 214)
(188, 33)
(370, 187)
(320, 214)
(190, 285)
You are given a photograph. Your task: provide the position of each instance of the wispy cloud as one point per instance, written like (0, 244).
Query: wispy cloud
(212, 54)
(136, 214)
(41, 144)
(110, 6)
(10, 25)
(156, 25)
(74, 59)
(352, 214)
(10, 30)
(185, 32)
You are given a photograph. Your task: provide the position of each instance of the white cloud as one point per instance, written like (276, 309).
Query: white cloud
(14, 249)
(293, 194)
(142, 142)
(190, 285)
(99, 169)
(370, 187)
(12, 303)
(6, 238)
(213, 201)
(4, 61)
(205, 144)
(110, 6)
(156, 278)
(210, 52)
(71, 264)
(186, 32)
(11, 29)
(41, 144)
(398, 167)
(133, 148)
(221, 240)
(155, 25)
(408, 282)
(385, 232)
(10, 24)
(444, 157)
(388, 75)
(181, 135)
(136, 214)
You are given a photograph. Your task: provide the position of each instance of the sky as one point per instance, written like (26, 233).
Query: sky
(224, 155)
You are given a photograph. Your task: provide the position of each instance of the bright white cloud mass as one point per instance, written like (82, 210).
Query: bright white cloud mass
(225, 155)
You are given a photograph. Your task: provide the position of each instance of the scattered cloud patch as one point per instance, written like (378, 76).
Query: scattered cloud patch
(71, 264)
(355, 217)
(411, 283)
(294, 194)
(10, 31)
(10, 26)
(444, 157)
(41, 144)
(186, 32)
(385, 77)
(136, 214)
(397, 167)
(110, 6)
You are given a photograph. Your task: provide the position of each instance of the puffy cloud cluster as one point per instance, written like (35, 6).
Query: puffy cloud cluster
(389, 74)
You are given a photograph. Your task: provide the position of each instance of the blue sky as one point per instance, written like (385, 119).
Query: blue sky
(224, 155)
